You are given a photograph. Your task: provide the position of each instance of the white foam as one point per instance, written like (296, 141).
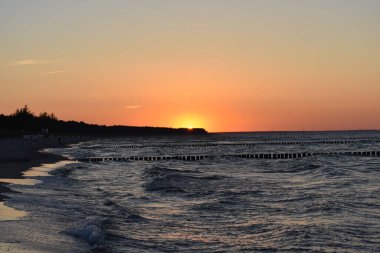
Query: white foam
(89, 230)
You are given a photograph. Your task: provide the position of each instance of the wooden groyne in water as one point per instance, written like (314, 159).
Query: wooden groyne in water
(242, 143)
(251, 156)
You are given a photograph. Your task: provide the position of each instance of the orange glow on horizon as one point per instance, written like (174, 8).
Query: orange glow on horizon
(225, 66)
(190, 122)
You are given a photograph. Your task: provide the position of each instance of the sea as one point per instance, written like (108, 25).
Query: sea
(226, 192)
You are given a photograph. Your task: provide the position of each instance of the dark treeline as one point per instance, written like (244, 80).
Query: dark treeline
(25, 121)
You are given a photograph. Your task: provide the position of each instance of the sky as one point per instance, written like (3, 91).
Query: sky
(236, 65)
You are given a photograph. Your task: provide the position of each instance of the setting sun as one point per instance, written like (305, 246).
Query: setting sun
(189, 122)
(192, 125)
(226, 66)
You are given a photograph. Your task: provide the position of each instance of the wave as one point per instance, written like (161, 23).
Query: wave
(175, 181)
(89, 230)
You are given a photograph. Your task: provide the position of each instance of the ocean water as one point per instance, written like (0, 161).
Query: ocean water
(223, 203)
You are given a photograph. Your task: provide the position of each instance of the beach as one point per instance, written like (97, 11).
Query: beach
(18, 155)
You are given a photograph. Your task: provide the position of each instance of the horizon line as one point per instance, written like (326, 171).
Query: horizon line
(294, 131)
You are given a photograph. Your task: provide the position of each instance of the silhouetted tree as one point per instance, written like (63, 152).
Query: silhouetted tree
(24, 120)
(23, 112)
(47, 116)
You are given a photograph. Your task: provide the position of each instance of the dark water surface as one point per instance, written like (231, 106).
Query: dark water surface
(323, 203)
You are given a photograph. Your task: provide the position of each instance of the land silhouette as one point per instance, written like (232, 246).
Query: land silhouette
(24, 121)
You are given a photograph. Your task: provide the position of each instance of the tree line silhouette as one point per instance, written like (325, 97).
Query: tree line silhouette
(23, 121)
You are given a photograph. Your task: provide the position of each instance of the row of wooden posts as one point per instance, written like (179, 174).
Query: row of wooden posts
(239, 144)
(254, 156)
(292, 139)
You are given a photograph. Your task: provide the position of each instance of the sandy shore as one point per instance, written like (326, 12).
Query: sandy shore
(17, 156)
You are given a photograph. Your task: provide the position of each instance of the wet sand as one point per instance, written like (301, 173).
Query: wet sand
(17, 156)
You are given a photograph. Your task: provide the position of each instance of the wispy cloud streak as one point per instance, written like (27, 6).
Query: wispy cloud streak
(132, 106)
(52, 72)
(27, 62)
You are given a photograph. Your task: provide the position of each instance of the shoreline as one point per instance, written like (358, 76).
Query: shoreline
(18, 156)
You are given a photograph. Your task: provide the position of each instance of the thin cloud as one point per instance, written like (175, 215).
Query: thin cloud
(27, 62)
(52, 72)
(132, 106)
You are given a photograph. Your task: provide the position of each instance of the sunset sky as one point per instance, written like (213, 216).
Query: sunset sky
(223, 65)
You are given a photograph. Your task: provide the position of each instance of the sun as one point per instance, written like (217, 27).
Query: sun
(189, 121)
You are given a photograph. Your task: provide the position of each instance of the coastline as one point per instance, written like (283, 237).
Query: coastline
(18, 156)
